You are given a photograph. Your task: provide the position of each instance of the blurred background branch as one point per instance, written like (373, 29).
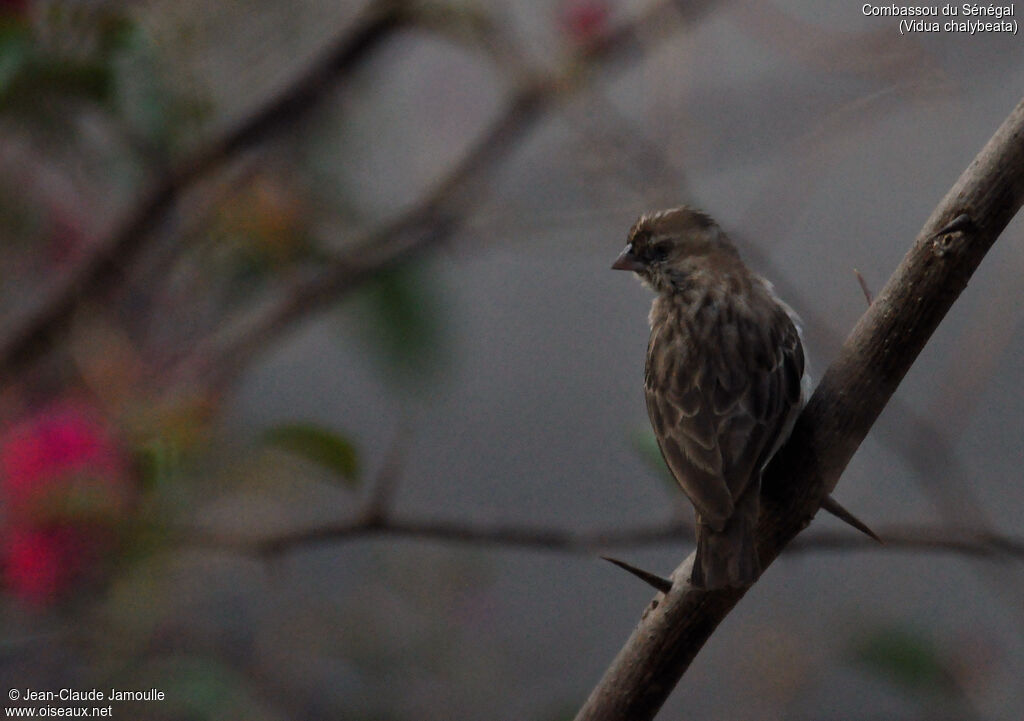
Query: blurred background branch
(28, 334)
(939, 539)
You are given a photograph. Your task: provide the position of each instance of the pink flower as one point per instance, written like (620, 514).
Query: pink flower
(64, 484)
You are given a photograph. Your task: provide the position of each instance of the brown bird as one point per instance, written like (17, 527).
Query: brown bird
(724, 380)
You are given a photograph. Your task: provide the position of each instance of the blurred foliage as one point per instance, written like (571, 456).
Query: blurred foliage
(400, 316)
(157, 114)
(30, 74)
(263, 223)
(70, 61)
(203, 687)
(903, 656)
(319, 445)
(159, 464)
(75, 51)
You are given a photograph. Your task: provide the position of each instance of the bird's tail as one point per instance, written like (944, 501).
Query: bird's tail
(728, 557)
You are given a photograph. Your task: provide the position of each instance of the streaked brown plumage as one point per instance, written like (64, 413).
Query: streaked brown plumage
(724, 380)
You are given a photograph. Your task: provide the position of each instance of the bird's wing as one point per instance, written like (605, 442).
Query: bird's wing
(775, 370)
(717, 416)
(685, 424)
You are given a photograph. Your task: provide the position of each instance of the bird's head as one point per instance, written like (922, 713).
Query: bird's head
(666, 248)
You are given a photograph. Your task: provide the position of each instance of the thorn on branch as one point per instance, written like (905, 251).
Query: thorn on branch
(960, 224)
(653, 580)
(832, 506)
(863, 286)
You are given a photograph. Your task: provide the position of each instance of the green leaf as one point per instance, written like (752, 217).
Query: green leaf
(319, 445)
(117, 32)
(903, 657)
(30, 71)
(14, 53)
(26, 79)
(158, 461)
(401, 313)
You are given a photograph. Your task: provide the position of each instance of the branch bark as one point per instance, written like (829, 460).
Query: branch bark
(854, 390)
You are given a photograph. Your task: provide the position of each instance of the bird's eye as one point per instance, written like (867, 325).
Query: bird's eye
(657, 253)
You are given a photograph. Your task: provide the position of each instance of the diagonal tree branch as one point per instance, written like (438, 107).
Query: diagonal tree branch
(219, 359)
(854, 390)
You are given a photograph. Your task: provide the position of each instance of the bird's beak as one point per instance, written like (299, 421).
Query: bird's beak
(628, 261)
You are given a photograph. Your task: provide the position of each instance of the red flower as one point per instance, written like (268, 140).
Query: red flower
(64, 484)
